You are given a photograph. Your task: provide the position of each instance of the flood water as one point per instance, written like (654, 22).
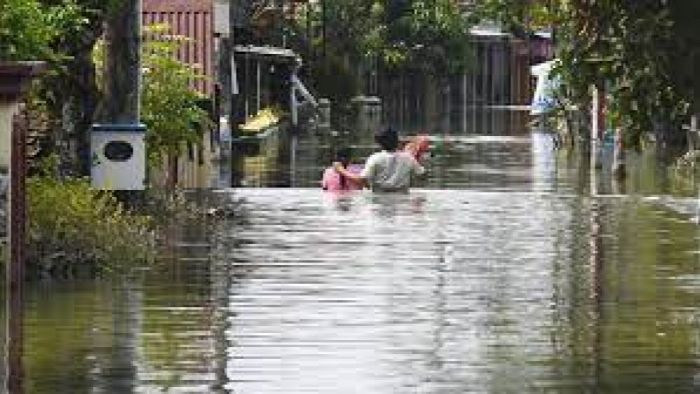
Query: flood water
(501, 273)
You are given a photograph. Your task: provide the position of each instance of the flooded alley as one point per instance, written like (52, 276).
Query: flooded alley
(182, 206)
(500, 274)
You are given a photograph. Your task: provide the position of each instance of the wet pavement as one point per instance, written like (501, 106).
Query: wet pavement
(501, 273)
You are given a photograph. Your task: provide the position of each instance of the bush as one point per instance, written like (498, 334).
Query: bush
(28, 27)
(74, 229)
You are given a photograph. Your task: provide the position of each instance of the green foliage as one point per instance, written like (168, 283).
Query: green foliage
(517, 16)
(61, 32)
(169, 102)
(25, 33)
(73, 228)
(428, 36)
(625, 48)
(687, 172)
(29, 27)
(168, 207)
(170, 107)
(638, 51)
(685, 57)
(336, 63)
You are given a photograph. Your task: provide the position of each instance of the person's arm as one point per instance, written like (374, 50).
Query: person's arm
(351, 176)
(417, 168)
(324, 180)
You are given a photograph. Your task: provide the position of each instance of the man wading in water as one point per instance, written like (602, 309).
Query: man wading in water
(386, 171)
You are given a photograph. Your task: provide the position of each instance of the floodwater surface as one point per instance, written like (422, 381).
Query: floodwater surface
(501, 274)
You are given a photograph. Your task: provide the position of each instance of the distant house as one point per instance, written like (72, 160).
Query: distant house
(491, 97)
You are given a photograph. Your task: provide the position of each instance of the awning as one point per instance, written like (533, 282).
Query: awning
(267, 53)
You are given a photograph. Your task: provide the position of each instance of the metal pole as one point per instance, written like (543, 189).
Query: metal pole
(323, 27)
(257, 88)
(246, 86)
(464, 102)
(239, 19)
(597, 129)
(15, 269)
(309, 38)
(293, 98)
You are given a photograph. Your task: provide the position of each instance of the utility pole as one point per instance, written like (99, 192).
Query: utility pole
(119, 129)
(123, 64)
(239, 16)
(121, 117)
(323, 27)
(597, 130)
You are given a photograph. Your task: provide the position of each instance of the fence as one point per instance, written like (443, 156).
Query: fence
(480, 100)
(193, 19)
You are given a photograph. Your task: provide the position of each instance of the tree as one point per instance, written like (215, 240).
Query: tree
(427, 35)
(28, 27)
(62, 32)
(336, 56)
(631, 47)
(70, 92)
(170, 107)
(383, 39)
(686, 56)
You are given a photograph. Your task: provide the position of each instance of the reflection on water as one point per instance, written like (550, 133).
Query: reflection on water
(515, 159)
(457, 291)
(500, 274)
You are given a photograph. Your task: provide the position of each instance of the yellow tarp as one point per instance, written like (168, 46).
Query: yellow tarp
(261, 121)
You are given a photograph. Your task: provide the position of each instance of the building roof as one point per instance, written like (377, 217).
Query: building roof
(487, 30)
(266, 51)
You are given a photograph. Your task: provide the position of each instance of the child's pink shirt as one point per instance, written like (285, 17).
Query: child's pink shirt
(331, 179)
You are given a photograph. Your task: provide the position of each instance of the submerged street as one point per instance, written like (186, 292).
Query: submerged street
(500, 274)
(182, 203)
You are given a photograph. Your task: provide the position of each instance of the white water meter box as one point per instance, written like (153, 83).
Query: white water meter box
(118, 155)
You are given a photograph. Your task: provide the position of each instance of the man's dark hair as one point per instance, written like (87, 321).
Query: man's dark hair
(388, 139)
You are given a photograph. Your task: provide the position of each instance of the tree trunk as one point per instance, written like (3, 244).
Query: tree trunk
(72, 100)
(77, 112)
(171, 180)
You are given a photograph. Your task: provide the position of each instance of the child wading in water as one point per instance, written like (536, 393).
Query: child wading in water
(334, 181)
(389, 170)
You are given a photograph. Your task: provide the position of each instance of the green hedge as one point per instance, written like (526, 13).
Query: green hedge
(74, 229)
